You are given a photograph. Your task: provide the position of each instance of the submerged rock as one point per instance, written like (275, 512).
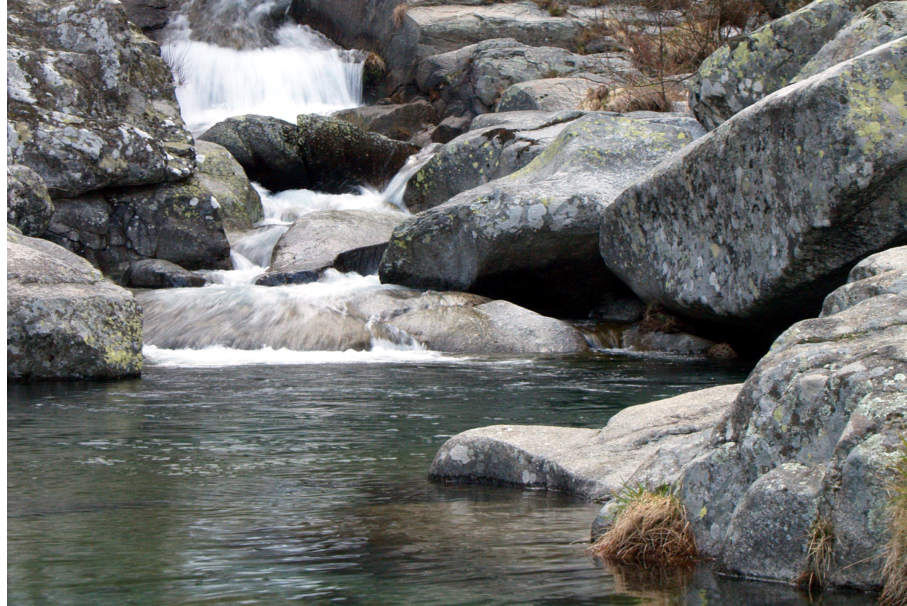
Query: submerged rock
(337, 314)
(318, 153)
(646, 444)
(64, 320)
(28, 205)
(484, 154)
(532, 237)
(810, 438)
(755, 222)
(224, 177)
(787, 50)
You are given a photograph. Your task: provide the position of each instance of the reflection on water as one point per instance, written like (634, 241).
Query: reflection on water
(262, 484)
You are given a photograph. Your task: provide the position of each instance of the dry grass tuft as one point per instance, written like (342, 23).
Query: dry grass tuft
(399, 14)
(651, 529)
(894, 572)
(818, 555)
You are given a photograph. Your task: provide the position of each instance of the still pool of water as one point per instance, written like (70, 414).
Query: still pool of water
(267, 484)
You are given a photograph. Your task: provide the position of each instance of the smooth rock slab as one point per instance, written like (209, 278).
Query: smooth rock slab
(64, 320)
(647, 444)
(756, 221)
(548, 94)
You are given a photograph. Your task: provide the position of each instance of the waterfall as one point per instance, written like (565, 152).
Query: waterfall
(280, 72)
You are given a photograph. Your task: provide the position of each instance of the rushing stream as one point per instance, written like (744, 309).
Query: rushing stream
(251, 465)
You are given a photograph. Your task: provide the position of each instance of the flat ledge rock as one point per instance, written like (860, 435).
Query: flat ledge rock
(648, 443)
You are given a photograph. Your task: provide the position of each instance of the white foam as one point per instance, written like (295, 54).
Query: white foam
(217, 356)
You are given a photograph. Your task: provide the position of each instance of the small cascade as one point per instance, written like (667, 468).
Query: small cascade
(290, 71)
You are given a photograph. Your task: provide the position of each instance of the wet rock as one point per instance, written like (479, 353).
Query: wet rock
(178, 222)
(471, 80)
(484, 154)
(809, 440)
(150, 15)
(549, 94)
(222, 175)
(315, 240)
(680, 343)
(731, 231)
(336, 314)
(646, 444)
(400, 122)
(450, 128)
(157, 273)
(318, 153)
(364, 260)
(64, 320)
(749, 68)
(531, 237)
(28, 205)
(90, 102)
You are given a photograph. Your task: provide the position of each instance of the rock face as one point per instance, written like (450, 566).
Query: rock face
(471, 80)
(787, 50)
(322, 154)
(755, 220)
(647, 444)
(400, 121)
(177, 222)
(810, 438)
(64, 320)
(316, 239)
(532, 237)
(28, 205)
(548, 94)
(91, 104)
(324, 316)
(508, 143)
(222, 175)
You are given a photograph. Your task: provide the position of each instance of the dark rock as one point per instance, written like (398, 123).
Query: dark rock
(281, 278)
(28, 205)
(400, 122)
(450, 128)
(364, 260)
(754, 223)
(178, 222)
(150, 15)
(679, 343)
(64, 320)
(157, 273)
(531, 237)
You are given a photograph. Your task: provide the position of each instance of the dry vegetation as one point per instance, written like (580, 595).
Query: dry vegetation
(894, 592)
(399, 14)
(650, 529)
(818, 556)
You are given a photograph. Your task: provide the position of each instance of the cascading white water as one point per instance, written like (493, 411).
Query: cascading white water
(302, 72)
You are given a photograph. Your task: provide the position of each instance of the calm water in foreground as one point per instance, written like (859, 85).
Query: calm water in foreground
(264, 484)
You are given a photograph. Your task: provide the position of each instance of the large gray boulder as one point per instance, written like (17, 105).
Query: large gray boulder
(483, 154)
(397, 121)
(316, 239)
(224, 177)
(646, 444)
(532, 237)
(755, 222)
(547, 94)
(64, 320)
(809, 440)
(177, 222)
(337, 316)
(787, 50)
(90, 102)
(318, 153)
(28, 205)
(471, 80)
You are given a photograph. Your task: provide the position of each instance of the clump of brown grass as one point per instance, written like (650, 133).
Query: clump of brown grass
(399, 14)
(656, 319)
(624, 99)
(894, 571)
(554, 7)
(818, 555)
(650, 529)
